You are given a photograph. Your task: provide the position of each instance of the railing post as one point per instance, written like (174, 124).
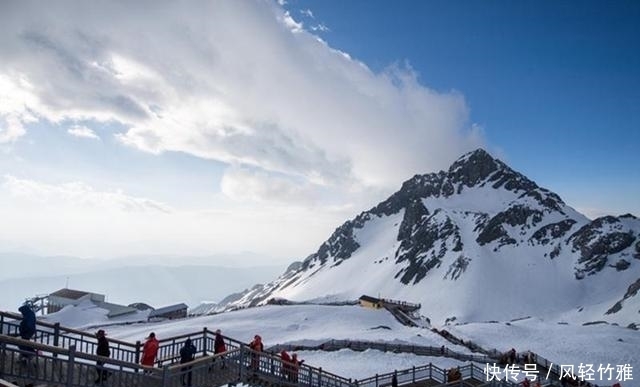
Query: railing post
(137, 355)
(56, 334)
(2, 323)
(320, 377)
(376, 380)
(241, 365)
(71, 365)
(3, 348)
(204, 341)
(413, 377)
(272, 366)
(165, 376)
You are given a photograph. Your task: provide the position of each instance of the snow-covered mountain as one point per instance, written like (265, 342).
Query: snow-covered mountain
(477, 242)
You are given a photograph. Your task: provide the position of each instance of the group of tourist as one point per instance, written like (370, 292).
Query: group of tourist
(290, 366)
(150, 354)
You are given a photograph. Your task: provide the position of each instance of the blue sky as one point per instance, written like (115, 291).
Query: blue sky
(554, 84)
(224, 125)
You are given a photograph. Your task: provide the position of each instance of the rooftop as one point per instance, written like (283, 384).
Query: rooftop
(168, 309)
(69, 293)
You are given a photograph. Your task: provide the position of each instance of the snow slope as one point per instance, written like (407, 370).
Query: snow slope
(313, 324)
(475, 243)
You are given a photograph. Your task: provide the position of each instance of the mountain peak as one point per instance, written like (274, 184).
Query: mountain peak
(475, 167)
(479, 167)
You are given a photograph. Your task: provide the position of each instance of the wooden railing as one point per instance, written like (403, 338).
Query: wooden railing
(34, 362)
(59, 336)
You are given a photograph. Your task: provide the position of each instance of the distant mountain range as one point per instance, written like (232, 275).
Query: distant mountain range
(156, 280)
(477, 242)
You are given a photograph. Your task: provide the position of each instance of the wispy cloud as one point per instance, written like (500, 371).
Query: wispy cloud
(75, 218)
(79, 194)
(82, 132)
(255, 185)
(14, 101)
(307, 12)
(320, 27)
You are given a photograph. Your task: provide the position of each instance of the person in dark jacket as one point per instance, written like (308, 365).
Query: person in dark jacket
(187, 354)
(103, 350)
(27, 327)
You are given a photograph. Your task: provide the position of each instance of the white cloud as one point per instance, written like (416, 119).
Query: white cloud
(244, 184)
(79, 194)
(14, 99)
(238, 82)
(82, 132)
(76, 219)
(320, 27)
(307, 12)
(11, 130)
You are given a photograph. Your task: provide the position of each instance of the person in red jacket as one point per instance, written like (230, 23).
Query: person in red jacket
(257, 346)
(219, 346)
(150, 350)
(286, 365)
(295, 366)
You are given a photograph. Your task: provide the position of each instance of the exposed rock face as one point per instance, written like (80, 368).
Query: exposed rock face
(631, 292)
(425, 245)
(552, 231)
(598, 240)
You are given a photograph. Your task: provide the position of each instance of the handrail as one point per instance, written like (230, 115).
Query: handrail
(18, 317)
(400, 303)
(359, 345)
(169, 348)
(66, 352)
(34, 362)
(204, 360)
(5, 383)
